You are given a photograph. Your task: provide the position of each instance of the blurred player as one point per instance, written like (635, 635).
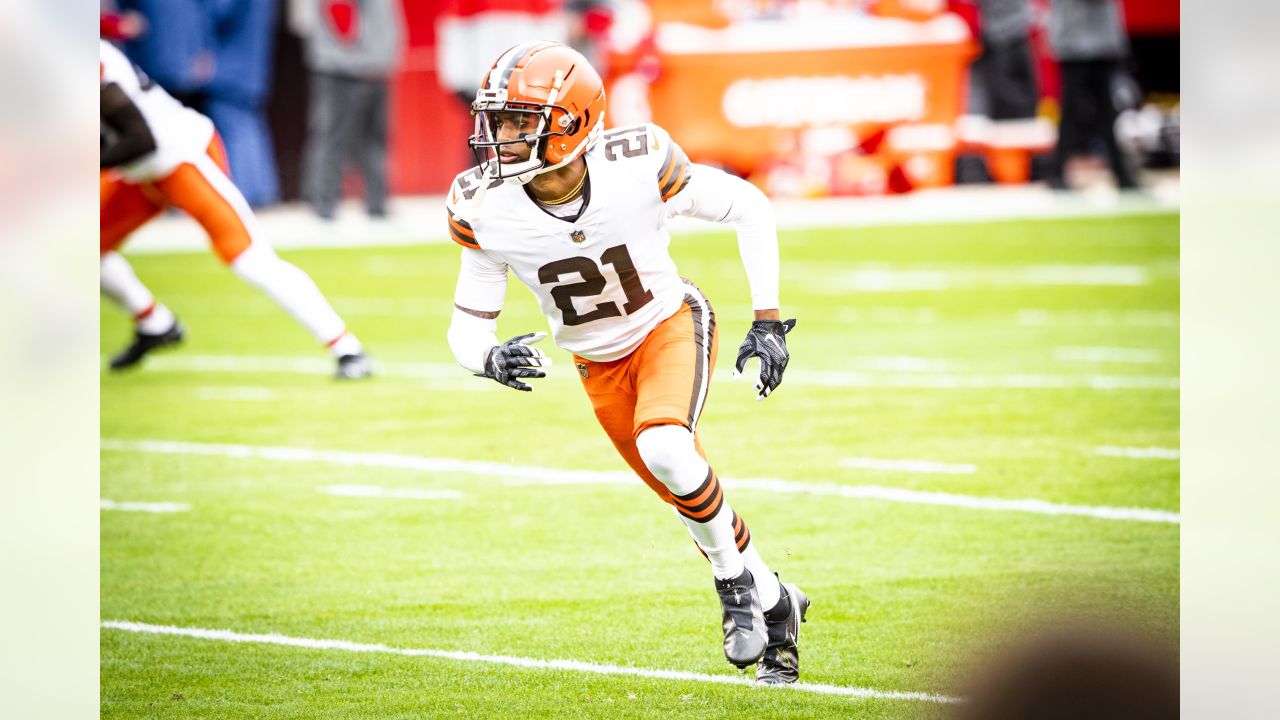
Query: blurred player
(157, 153)
(579, 216)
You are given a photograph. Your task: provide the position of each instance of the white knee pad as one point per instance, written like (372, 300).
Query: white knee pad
(669, 453)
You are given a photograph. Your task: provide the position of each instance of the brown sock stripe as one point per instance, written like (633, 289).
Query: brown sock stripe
(741, 534)
(702, 504)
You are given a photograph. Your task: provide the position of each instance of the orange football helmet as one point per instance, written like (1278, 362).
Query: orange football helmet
(551, 81)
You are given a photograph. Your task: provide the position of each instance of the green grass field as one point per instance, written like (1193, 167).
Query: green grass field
(1016, 348)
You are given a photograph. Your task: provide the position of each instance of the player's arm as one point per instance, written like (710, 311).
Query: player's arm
(133, 137)
(477, 301)
(710, 194)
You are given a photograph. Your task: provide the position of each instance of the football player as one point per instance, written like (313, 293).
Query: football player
(158, 153)
(579, 216)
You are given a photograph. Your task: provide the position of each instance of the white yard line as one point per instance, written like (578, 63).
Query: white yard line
(534, 475)
(1107, 355)
(415, 220)
(372, 491)
(578, 666)
(148, 507)
(456, 378)
(1142, 453)
(242, 393)
(880, 278)
(927, 467)
(1034, 317)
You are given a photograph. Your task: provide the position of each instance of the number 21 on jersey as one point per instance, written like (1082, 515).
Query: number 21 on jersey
(592, 285)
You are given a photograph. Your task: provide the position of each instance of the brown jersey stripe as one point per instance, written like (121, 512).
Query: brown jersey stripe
(463, 229)
(665, 170)
(458, 219)
(671, 171)
(702, 340)
(680, 178)
(672, 168)
(684, 180)
(463, 240)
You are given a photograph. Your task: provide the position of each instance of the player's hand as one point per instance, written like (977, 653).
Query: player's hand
(767, 340)
(514, 359)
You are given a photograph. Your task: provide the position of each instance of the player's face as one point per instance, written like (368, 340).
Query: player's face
(509, 126)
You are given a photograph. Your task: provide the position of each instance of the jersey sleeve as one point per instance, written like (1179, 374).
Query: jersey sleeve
(463, 205)
(114, 67)
(458, 204)
(672, 168)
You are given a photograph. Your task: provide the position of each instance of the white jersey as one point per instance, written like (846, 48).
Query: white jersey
(605, 280)
(181, 134)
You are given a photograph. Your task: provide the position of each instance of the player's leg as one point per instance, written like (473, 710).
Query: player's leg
(204, 190)
(123, 208)
(673, 377)
(611, 390)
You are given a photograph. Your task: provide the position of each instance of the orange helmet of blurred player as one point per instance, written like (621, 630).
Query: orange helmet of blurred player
(556, 84)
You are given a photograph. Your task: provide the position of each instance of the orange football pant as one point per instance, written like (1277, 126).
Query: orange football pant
(203, 189)
(663, 382)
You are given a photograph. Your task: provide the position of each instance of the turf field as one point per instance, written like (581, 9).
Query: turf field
(430, 511)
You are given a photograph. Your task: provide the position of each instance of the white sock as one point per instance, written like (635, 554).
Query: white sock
(120, 284)
(295, 292)
(345, 344)
(669, 453)
(766, 581)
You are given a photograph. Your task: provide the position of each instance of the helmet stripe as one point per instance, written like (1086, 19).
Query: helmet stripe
(508, 62)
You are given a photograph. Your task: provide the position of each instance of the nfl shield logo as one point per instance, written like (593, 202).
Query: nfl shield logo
(578, 237)
(582, 369)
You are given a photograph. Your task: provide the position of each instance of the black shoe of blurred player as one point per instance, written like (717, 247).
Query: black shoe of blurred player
(781, 662)
(354, 367)
(144, 343)
(744, 627)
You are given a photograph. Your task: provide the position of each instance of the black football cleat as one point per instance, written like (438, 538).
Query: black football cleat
(354, 367)
(144, 343)
(781, 662)
(744, 628)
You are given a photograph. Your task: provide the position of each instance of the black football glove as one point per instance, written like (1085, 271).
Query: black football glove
(767, 340)
(514, 359)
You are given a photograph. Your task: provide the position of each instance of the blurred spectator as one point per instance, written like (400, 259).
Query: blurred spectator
(589, 24)
(1003, 77)
(1088, 38)
(216, 57)
(352, 48)
(471, 33)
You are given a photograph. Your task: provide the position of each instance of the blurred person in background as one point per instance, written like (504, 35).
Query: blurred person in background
(471, 33)
(157, 153)
(352, 49)
(217, 57)
(1089, 40)
(1003, 77)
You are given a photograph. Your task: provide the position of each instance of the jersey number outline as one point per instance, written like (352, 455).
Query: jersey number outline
(469, 182)
(592, 284)
(633, 142)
